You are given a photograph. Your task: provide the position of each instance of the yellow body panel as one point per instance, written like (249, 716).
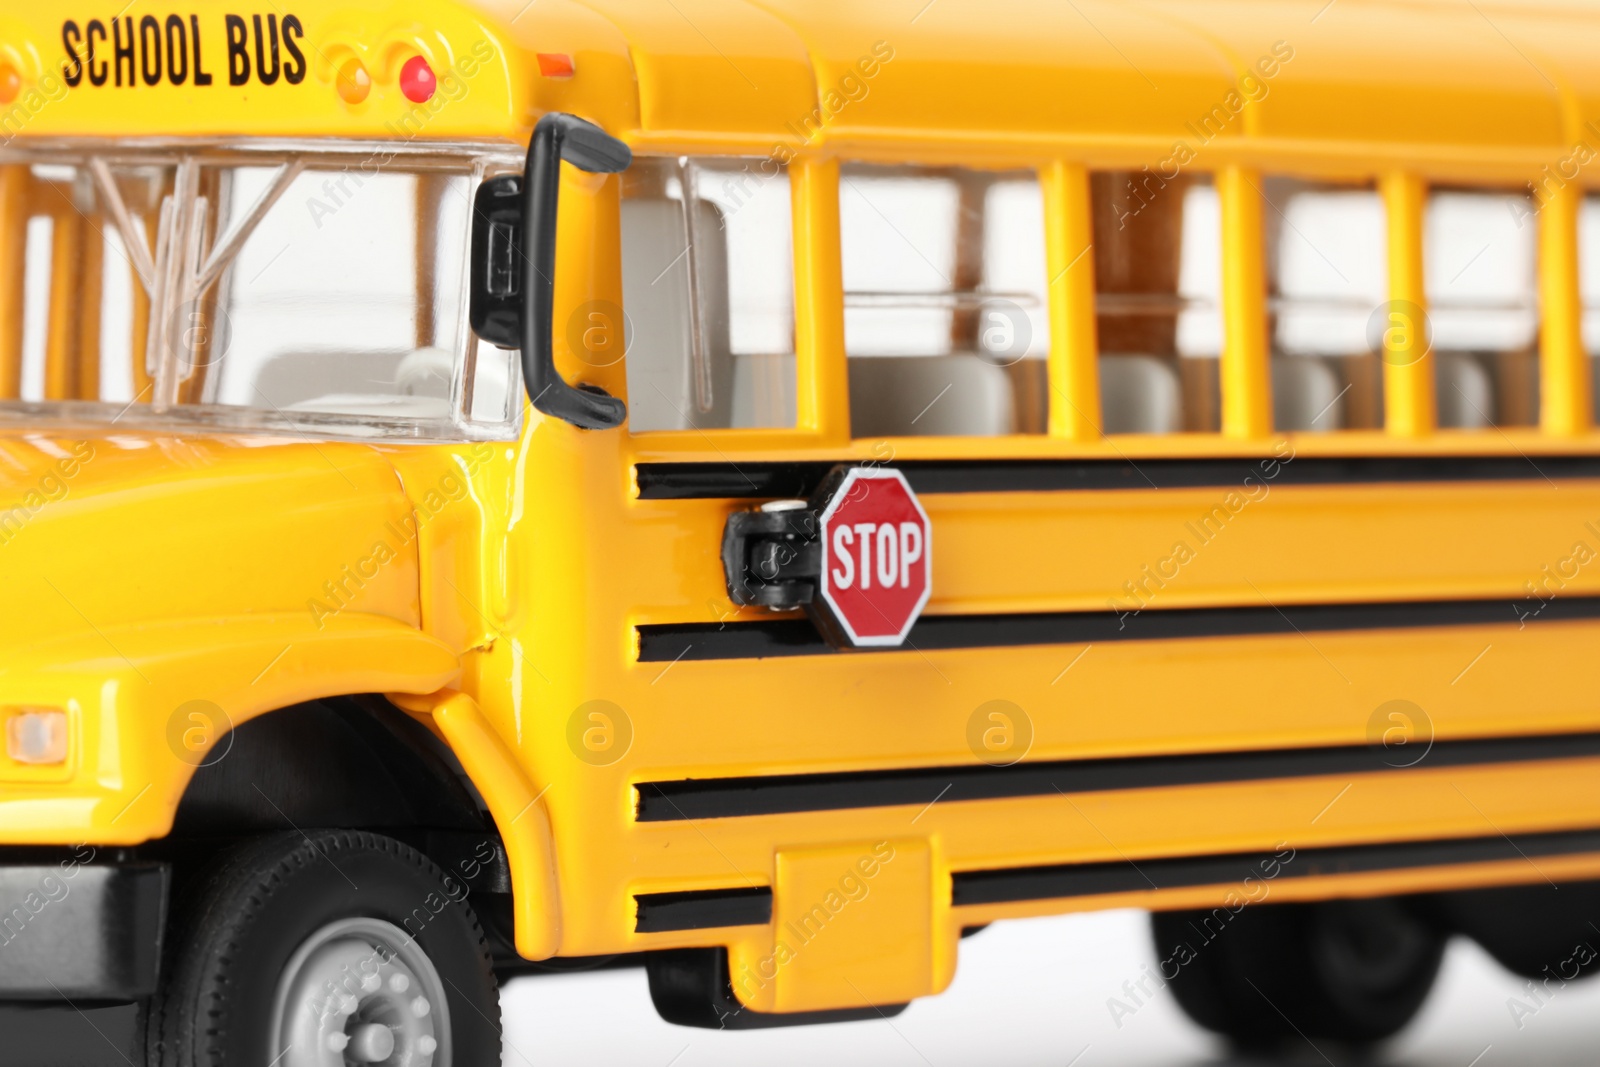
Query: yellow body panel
(496, 590)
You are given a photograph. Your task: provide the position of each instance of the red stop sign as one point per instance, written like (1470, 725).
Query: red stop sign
(877, 553)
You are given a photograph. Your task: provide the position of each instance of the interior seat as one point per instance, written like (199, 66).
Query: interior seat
(1140, 394)
(1465, 391)
(1306, 395)
(904, 396)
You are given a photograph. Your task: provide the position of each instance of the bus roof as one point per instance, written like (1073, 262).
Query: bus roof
(1441, 86)
(1353, 83)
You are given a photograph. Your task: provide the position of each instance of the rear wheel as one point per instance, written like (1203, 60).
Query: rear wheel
(1538, 931)
(324, 950)
(1352, 971)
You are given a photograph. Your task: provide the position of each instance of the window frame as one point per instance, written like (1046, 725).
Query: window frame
(774, 436)
(822, 424)
(1566, 407)
(959, 297)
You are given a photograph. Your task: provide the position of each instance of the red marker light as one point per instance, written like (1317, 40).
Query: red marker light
(555, 65)
(417, 80)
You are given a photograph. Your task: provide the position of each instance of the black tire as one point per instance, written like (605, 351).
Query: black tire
(1351, 971)
(243, 922)
(1540, 932)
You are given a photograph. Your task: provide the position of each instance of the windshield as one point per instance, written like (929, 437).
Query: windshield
(312, 288)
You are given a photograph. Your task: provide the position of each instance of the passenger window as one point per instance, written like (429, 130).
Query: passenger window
(77, 312)
(1589, 280)
(709, 294)
(1157, 266)
(946, 326)
(1327, 270)
(1479, 265)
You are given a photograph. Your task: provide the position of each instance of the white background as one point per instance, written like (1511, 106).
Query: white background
(1035, 993)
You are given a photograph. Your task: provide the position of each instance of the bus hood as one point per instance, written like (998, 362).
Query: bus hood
(101, 533)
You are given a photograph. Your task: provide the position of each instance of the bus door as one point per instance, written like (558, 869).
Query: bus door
(944, 349)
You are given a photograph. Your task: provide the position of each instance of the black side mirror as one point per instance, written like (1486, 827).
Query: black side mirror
(514, 260)
(495, 310)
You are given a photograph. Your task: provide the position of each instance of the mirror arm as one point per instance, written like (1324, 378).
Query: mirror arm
(559, 136)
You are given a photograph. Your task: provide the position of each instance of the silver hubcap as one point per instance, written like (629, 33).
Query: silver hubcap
(360, 991)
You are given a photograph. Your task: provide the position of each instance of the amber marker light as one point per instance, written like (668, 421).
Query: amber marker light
(555, 64)
(417, 81)
(37, 736)
(353, 81)
(10, 82)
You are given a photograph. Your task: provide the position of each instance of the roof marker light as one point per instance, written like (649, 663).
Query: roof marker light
(10, 82)
(555, 64)
(353, 81)
(417, 80)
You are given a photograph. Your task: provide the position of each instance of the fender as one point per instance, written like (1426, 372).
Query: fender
(519, 814)
(148, 704)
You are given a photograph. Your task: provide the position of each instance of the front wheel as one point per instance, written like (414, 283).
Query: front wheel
(1353, 971)
(324, 950)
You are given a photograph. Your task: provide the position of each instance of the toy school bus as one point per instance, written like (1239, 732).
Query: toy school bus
(760, 490)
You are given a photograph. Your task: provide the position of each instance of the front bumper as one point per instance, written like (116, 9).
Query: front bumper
(72, 931)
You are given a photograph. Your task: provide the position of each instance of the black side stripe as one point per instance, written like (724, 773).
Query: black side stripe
(750, 481)
(713, 908)
(1010, 885)
(670, 642)
(721, 798)
(703, 909)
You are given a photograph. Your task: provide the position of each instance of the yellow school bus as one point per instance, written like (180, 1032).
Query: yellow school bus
(763, 489)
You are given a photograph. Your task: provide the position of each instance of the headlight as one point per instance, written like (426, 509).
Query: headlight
(37, 736)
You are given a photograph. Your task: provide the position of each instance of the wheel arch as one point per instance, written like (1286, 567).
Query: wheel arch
(354, 762)
(454, 783)
(147, 705)
(133, 764)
